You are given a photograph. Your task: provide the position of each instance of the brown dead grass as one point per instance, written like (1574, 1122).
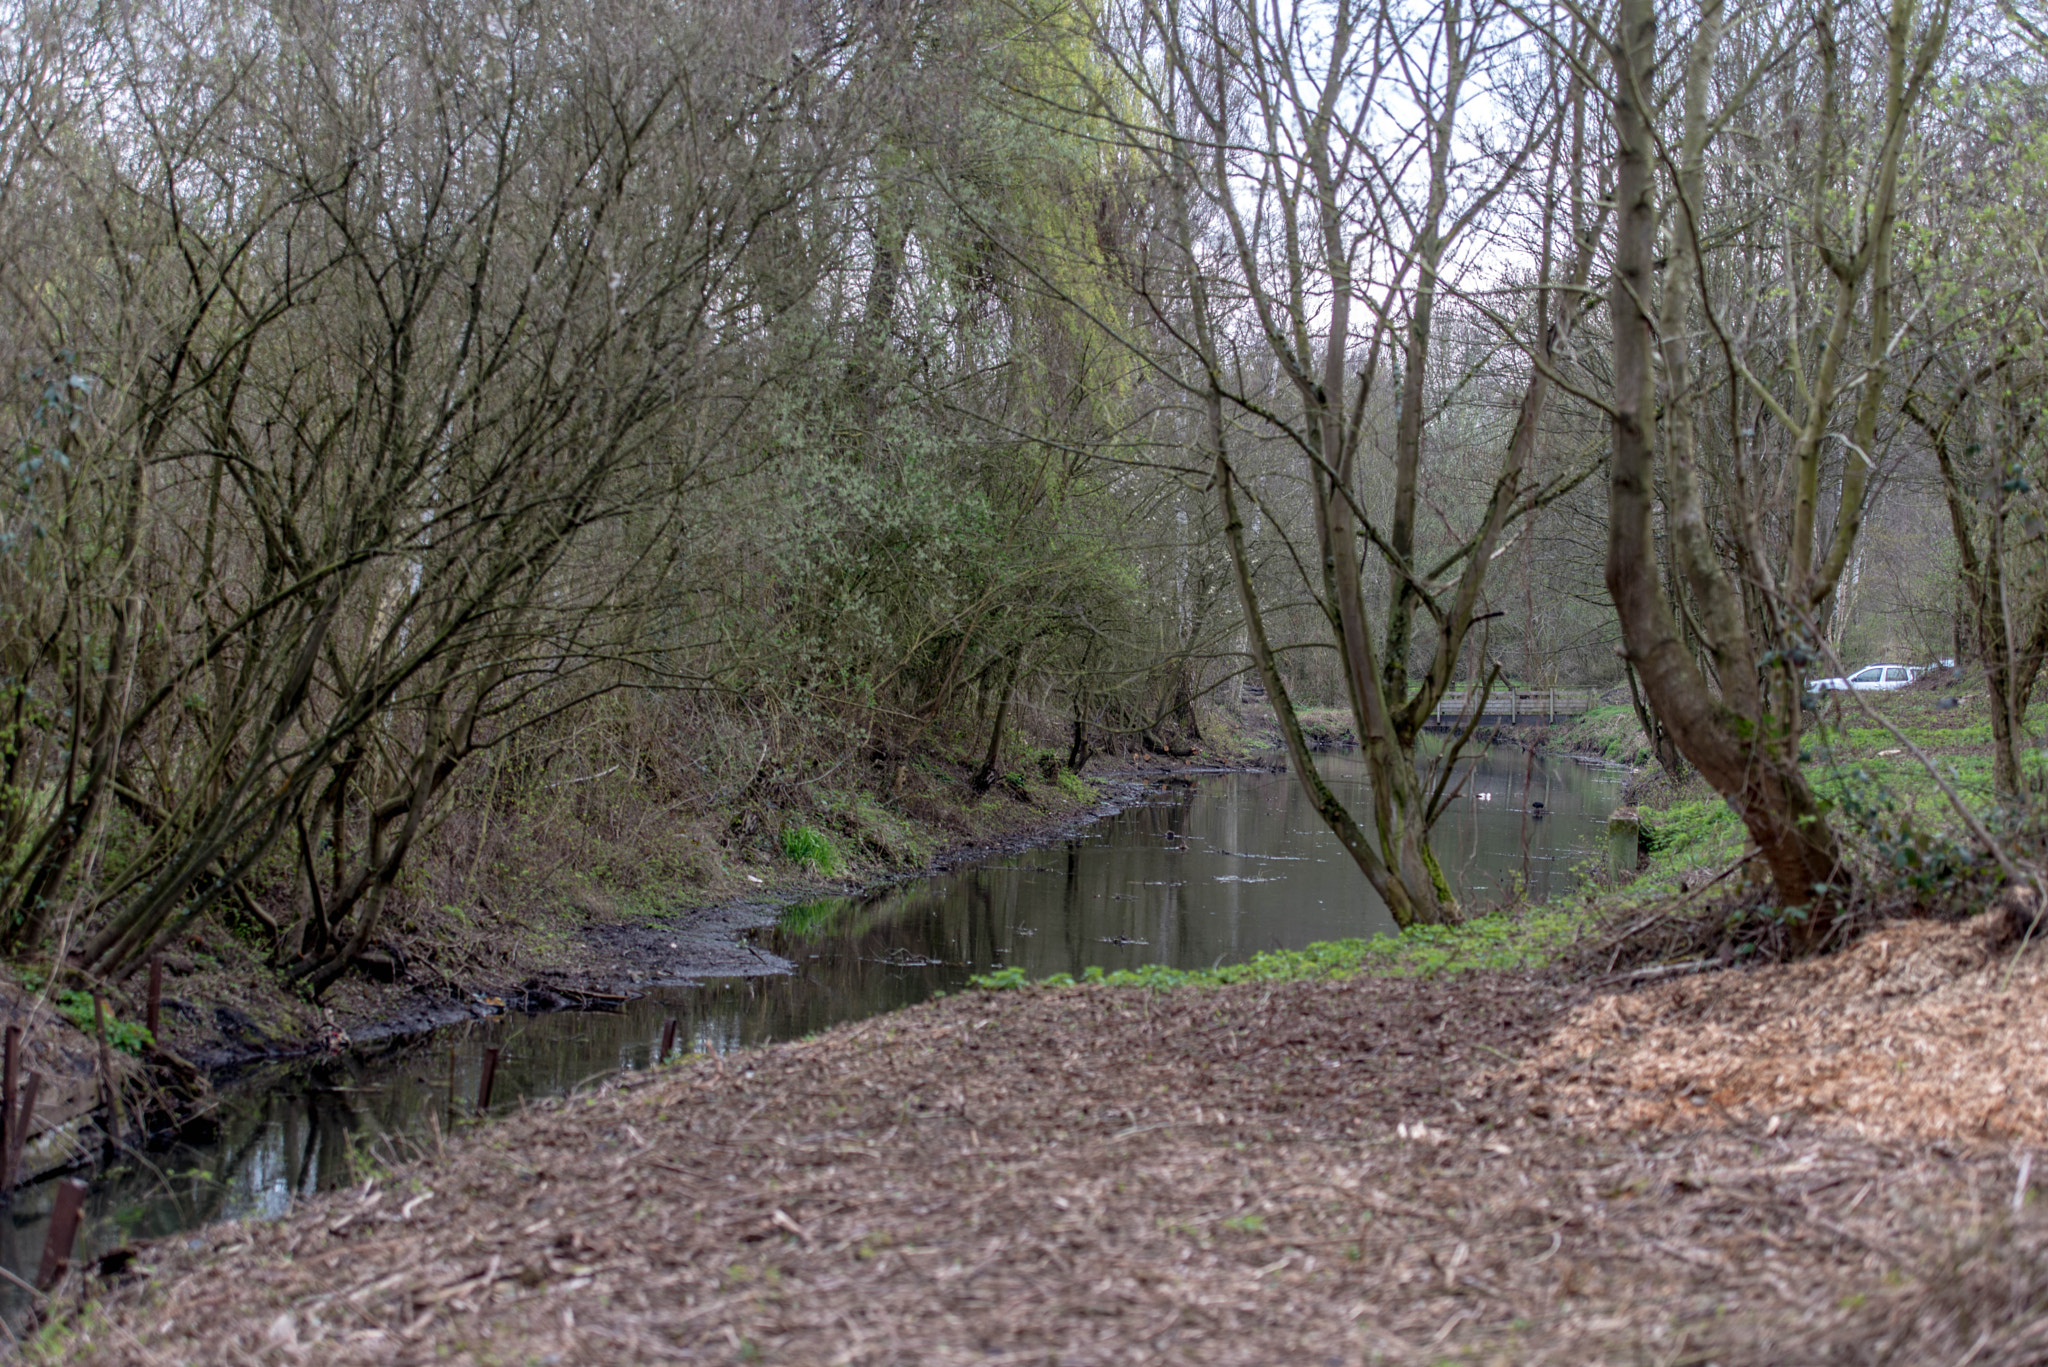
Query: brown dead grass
(1321, 1172)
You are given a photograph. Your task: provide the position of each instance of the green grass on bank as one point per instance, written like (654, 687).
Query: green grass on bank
(1609, 732)
(1899, 828)
(1525, 939)
(1869, 777)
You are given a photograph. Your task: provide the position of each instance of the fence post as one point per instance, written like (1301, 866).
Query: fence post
(17, 1142)
(1624, 841)
(10, 1082)
(63, 1232)
(483, 1086)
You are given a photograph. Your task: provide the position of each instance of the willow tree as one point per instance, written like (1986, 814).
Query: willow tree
(1777, 251)
(964, 542)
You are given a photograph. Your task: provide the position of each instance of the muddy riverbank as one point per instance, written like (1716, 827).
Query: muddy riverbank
(221, 1019)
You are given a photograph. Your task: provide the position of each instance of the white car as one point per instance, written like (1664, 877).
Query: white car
(1869, 679)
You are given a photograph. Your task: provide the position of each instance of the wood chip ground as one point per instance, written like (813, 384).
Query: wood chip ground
(1828, 1162)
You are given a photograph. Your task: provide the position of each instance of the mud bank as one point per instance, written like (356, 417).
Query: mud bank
(596, 959)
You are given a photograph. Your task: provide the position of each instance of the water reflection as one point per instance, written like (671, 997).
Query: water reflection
(1206, 873)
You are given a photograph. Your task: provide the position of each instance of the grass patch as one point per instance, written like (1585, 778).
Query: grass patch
(1076, 787)
(1694, 832)
(1326, 725)
(1530, 939)
(885, 834)
(812, 848)
(1613, 733)
(76, 1007)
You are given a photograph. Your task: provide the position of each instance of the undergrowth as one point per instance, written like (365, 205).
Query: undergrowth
(76, 1006)
(812, 848)
(1613, 733)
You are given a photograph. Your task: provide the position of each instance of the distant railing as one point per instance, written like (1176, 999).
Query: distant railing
(1527, 705)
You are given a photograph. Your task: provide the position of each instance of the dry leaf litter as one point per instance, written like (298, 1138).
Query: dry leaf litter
(1487, 1169)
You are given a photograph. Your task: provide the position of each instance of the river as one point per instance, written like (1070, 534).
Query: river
(1209, 870)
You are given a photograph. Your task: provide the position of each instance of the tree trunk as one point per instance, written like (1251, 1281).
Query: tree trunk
(1661, 744)
(985, 777)
(1747, 764)
(2010, 666)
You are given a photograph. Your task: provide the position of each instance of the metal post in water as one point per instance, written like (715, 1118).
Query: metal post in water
(17, 1139)
(483, 1086)
(156, 996)
(62, 1234)
(668, 1038)
(10, 1078)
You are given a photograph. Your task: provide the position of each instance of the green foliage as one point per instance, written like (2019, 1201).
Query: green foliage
(1076, 787)
(812, 848)
(1613, 733)
(76, 1007)
(62, 1329)
(884, 832)
(1692, 832)
(1326, 725)
(1528, 940)
(1931, 863)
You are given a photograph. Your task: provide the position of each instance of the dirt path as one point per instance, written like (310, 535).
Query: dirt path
(1321, 1172)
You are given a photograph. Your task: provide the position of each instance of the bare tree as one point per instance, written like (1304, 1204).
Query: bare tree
(1307, 163)
(1831, 213)
(375, 390)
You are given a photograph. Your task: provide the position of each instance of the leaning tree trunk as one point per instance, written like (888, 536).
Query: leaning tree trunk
(1730, 736)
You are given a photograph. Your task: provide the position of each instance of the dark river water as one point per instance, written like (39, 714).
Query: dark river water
(1210, 872)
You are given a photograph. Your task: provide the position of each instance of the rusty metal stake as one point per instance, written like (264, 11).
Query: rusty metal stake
(10, 1080)
(18, 1139)
(110, 1085)
(483, 1086)
(63, 1232)
(668, 1038)
(156, 997)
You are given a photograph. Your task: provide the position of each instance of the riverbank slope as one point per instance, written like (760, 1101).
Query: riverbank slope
(540, 909)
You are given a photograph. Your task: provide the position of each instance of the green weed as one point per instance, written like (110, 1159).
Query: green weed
(1076, 787)
(76, 1007)
(812, 848)
(1611, 732)
(1528, 940)
(1693, 832)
